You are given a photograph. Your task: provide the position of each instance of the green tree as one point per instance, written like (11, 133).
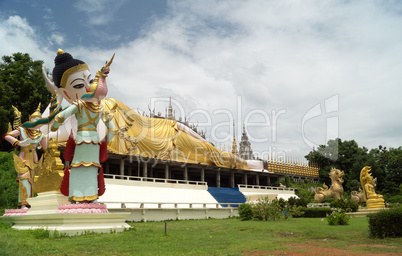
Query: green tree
(8, 185)
(349, 157)
(21, 85)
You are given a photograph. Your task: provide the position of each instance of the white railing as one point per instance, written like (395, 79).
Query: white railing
(265, 187)
(155, 180)
(142, 205)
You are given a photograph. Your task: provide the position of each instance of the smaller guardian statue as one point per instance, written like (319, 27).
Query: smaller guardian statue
(336, 188)
(26, 163)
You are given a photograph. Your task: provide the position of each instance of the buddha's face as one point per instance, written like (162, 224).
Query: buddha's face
(77, 85)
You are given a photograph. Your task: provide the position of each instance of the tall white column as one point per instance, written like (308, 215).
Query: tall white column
(257, 179)
(166, 171)
(218, 178)
(232, 182)
(145, 169)
(122, 166)
(185, 176)
(202, 174)
(245, 178)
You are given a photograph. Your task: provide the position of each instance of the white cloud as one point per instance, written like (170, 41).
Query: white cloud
(276, 55)
(56, 38)
(16, 35)
(99, 12)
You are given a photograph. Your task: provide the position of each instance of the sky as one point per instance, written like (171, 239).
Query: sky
(295, 73)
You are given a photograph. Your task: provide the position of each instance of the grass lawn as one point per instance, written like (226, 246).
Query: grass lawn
(299, 236)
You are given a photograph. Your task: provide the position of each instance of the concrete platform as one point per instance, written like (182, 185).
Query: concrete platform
(71, 224)
(43, 214)
(364, 212)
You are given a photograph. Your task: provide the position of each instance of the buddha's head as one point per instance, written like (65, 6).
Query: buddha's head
(71, 76)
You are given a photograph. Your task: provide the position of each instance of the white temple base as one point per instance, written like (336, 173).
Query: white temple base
(72, 224)
(43, 215)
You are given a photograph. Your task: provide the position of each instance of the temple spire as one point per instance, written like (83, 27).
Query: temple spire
(245, 150)
(170, 110)
(234, 145)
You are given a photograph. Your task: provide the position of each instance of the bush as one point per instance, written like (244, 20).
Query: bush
(305, 195)
(345, 205)
(314, 212)
(266, 209)
(297, 201)
(338, 218)
(246, 211)
(386, 223)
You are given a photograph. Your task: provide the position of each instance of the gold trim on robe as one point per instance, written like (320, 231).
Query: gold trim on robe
(83, 198)
(82, 163)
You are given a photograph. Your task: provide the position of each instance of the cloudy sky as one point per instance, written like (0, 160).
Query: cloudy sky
(297, 73)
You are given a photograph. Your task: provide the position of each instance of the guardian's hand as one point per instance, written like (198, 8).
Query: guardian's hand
(24, 143)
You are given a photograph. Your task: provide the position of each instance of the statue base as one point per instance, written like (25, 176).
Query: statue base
(375, 203)
(46, 202)
(50, 211)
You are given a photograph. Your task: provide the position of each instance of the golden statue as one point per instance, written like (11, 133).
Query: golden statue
(357, 196)
(51, 170)
(373, 200)
(335, 189)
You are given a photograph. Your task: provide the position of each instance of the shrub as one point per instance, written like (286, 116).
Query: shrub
(265, 209)
(338, 218)
(297, 201)
(246, 211)
(305, 195)
(292, 210)
(292, 200)
(345, 205)
(314, 212)
(386, 223)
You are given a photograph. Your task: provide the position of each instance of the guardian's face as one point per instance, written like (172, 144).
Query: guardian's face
(77, 85)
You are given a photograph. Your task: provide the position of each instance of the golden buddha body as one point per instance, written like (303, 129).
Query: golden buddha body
(373, 200)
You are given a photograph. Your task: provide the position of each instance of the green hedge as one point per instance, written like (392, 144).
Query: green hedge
(345, 205)
(315, 212)
(386, 223)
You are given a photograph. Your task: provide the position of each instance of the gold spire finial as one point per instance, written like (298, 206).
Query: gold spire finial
(60, 51)
(36, 113)
(17, 118)
(234, 145)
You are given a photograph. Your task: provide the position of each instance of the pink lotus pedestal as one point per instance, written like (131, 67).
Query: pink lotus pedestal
(51, 211)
